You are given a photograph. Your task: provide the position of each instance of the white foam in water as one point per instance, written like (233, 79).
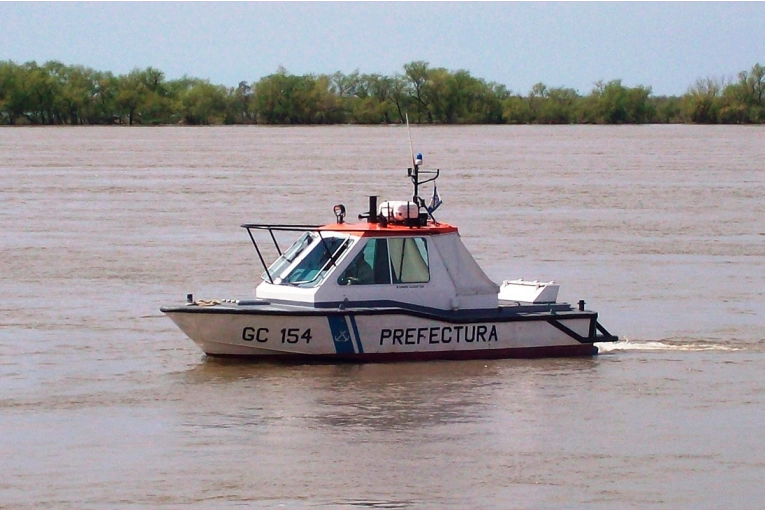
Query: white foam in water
(657, 345)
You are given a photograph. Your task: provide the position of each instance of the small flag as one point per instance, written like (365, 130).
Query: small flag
(435, 200)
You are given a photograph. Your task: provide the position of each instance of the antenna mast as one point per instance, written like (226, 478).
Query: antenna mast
(414, 172)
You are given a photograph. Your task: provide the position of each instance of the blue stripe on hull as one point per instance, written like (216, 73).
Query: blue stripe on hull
(356, 334)
(341, 335)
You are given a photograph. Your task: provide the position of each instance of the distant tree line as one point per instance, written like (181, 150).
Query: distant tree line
(54, 93)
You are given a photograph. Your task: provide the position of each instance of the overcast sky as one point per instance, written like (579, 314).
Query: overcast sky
(663, 45)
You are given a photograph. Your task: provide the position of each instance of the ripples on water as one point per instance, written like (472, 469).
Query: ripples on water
(105, 404)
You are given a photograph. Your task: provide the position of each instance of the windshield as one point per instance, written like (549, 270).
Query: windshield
(289, 256)
(317, 263)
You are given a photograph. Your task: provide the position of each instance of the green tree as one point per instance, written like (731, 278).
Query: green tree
(614, 103)
(703, 101)
(742, 102)
(273, 97)
(42, 92)
(516, 110)
(142, 97)
(130, 95)
(323, 106)
(242, 108)
(282, 98)
(417, 75)
(667, 110)
(437, 96)
(203, 103)
(401, 97)
(374, 103)
(558, 106)
(105, 106)
(458, 97)
(78, 95)
(13, 94)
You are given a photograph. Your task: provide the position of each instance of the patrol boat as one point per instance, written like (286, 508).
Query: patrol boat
(396, 286)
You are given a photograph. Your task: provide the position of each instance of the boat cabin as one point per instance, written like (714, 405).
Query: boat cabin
(377, 264)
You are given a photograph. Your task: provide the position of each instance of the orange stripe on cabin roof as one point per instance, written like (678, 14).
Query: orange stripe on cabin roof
(391, 230)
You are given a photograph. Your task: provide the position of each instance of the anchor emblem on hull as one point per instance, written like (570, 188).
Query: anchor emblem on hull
(342, 336)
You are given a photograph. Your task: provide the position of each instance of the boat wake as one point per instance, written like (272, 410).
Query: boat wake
(665, 345)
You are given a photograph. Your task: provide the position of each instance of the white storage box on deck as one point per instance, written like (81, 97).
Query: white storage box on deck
(528, 292)
(399, 210)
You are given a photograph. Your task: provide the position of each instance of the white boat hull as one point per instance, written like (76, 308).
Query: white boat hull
(363, 335)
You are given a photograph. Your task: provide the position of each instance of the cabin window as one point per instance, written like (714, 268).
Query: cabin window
(371, 265)
(409, 259)
(385, 261)
(318, 261)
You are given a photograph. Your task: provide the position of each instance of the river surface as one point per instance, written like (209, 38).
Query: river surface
(105, 404)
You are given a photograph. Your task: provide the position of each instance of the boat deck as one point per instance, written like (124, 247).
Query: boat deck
(506, 309)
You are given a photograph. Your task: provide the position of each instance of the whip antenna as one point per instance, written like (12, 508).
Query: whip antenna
(409, 132)
(414, 172)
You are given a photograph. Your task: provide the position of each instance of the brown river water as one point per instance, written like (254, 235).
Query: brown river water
(105, 404)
